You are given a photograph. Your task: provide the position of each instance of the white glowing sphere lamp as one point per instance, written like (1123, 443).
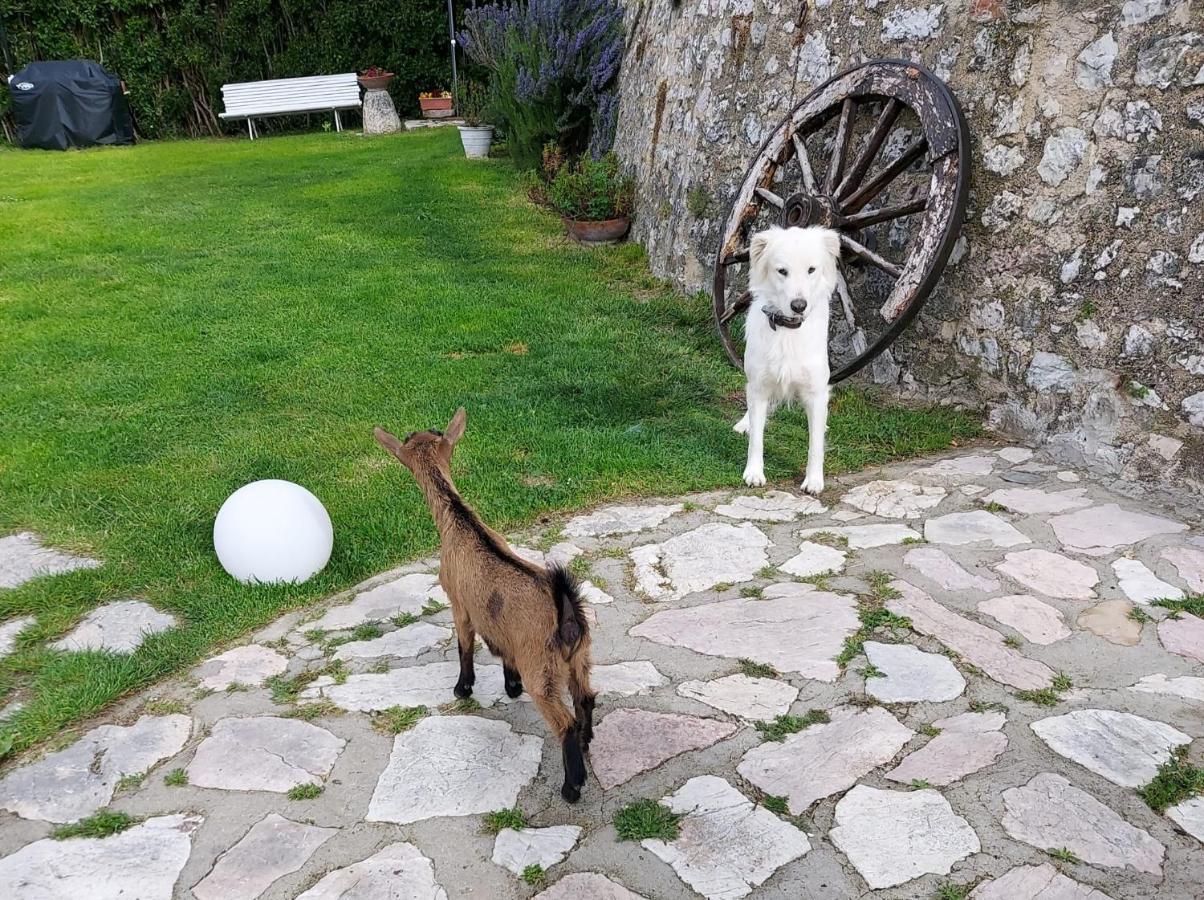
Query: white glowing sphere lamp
(271, 532)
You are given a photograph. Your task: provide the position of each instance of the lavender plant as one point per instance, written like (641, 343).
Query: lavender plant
(553, 68)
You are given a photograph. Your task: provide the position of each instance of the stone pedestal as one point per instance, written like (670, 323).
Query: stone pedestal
(380, 115)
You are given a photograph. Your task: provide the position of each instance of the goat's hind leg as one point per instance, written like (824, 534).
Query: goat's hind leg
(583, 700)
(513, 681)
(564, 726)
(466, 637)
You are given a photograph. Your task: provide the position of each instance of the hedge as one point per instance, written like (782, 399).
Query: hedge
(175, 55)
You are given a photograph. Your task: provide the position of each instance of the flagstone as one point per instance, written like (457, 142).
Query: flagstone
(1036, 502)
(1051, 574)
(972, 722)
(1068, 476)
(75, 782)
(863, 537)
(454, 766)
(272, 848)
(396, 872)
(630, 741)
(142, 862)
(980, 645)
(404, 642)
(847, 515)
(716, 553)
(1037, 621)
(895, 499)
(1099, 530)
(24, 557)
(263, 753)
(1189, 563)
(758, 699)
(626, 679)
(1183, 636)
(814, 559)
(1042, 882)
(1014, 454)
(951, 755)
(972, 490)
(1050, 813)
(972, 527)
(1140, 584)
(1122, 747)
(587, 886)
(1189, 815)
(792, 627)
(430, 685)
(591, 593)
(826, 758)
(909, 675)
(1110, 620)
(939, 567)
(9, 632)
(250, 665)
(620, 520)
(1187, 686)
(976, 464)
(544, 847)
(774, 506)
(407, 594)
(119, 627)
(726, 846)
(891, 837)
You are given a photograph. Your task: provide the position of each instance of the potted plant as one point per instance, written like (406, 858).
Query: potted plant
(374, 78)
(436, 104)
(594, 198)
(475, 134)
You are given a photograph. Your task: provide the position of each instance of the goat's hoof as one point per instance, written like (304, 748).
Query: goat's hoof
(462, 691)
(513, 689)
(570, 793)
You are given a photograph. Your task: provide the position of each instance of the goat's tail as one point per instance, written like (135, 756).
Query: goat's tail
(571, 624)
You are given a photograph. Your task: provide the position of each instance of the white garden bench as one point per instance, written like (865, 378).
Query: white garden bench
(253, 100)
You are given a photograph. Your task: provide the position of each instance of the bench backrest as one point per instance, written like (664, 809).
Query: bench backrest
(283, 95)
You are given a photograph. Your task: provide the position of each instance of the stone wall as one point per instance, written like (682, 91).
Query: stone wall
(1074, 312)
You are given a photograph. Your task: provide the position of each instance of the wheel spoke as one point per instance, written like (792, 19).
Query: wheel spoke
(742, 303)
(840, 148)
(870, 256)
(770, 197)
(874, 216)
(873, 144)
(736, 256)
(804, 163)
(846, 302)
(874, 186)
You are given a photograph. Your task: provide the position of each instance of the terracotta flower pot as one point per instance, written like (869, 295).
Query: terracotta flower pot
(436, 107)
(375, 82)
(609, 231)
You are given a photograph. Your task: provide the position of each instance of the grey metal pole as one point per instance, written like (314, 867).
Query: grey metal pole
(451, 27)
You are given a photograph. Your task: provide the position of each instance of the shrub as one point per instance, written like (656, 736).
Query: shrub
(553, 67)
(592, 190)
(472, 101)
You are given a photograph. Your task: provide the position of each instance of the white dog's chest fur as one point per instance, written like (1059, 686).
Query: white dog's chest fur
(788, 363)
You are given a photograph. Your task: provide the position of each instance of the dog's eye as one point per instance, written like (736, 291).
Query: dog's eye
(783, 272)
(811, 271)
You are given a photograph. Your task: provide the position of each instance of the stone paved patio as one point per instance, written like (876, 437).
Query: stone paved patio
(929, 764)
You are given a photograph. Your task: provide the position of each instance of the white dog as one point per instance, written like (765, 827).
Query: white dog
(792, 275)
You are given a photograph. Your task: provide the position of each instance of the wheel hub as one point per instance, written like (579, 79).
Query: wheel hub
(802, 210)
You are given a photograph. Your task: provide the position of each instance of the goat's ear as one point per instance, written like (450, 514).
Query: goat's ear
(388, 441)
(455, 428)
(832, 243)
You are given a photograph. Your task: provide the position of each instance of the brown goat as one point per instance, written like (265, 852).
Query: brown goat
(528, 615)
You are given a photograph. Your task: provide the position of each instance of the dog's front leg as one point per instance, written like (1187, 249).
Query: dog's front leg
(817, 426)
(758, 411)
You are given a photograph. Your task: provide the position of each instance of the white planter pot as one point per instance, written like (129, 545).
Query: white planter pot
(476, 140)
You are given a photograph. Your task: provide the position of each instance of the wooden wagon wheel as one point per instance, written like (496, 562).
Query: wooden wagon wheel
(818, 168)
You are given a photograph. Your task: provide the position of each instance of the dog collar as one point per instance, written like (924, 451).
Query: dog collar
(777, 318)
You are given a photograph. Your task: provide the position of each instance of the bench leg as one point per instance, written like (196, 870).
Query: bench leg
(338, 123)
(250, 129)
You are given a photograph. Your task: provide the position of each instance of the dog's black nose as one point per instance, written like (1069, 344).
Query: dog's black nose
(799, 306)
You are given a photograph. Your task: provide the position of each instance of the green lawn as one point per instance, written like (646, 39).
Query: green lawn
(182, 318)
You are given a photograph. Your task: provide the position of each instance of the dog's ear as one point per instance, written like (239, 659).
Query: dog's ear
(455, 428)
(832, 243)
(758, 245)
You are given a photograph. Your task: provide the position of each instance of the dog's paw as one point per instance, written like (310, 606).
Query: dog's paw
(741, 427)
(754, 477)
(813, 484)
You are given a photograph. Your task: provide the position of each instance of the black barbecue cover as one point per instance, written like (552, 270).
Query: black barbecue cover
(72, 103)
